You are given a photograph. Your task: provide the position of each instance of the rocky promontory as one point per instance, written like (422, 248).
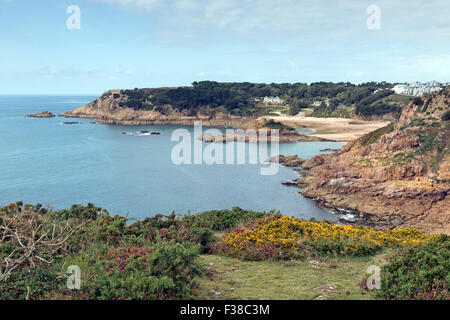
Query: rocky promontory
(118, 107)
(398, 175)
(43, 114)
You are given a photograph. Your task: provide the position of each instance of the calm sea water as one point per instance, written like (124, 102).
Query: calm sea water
(45, 161)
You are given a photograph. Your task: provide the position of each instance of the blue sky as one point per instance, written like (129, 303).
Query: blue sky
(153, 43)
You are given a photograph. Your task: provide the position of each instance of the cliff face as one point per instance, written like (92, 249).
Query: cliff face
(398, 175)
(112, 108)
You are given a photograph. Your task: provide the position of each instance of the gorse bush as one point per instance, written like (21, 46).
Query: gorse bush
(421, 272)
(196, 229)
(164, 270)
(220, 220)
(290, 235)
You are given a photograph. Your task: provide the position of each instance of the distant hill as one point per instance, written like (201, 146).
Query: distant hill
(214, 99)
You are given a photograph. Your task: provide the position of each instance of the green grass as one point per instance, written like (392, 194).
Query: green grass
(376, 135)
(401, 100)
(285, 280)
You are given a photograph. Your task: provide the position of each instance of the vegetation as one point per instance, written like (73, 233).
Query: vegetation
(281, 237)
(421, 272)
(372, 105)
(151, 259)
(161, 257)
(374, 136)
(418, 101)
(272, 124)
(446, 116)
(210, 97)
(235, 279)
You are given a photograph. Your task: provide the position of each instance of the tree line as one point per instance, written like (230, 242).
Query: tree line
(242, 98)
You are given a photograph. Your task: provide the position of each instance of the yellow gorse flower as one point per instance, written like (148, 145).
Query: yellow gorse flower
(286, 232)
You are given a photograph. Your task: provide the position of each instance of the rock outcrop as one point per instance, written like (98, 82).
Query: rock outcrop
(43, 114)
(260, 135)
(288, 161)
(398, 175)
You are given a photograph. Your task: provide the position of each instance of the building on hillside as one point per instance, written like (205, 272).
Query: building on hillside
(273, 100)
(417, 88)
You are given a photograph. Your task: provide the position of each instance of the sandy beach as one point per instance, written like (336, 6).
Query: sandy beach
(337, 129)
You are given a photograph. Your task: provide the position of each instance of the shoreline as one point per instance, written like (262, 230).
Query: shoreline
(335, 129)
(323, 129)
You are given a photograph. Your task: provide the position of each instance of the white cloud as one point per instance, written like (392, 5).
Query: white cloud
(204, 22)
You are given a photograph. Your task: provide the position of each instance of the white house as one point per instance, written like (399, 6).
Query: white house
(272, 100)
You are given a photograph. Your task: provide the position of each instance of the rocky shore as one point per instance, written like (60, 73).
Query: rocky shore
(398, 175)
(260, 135)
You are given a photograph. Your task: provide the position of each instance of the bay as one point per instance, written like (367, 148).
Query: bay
(46, 161)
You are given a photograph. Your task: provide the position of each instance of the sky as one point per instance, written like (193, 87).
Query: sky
(154, 43)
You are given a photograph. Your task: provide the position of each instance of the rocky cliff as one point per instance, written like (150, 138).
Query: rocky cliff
(398, 175)
(113, 107)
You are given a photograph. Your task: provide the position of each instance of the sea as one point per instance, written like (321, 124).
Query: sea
(130, 173)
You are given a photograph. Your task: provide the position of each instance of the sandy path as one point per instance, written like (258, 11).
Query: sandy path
(337, 129)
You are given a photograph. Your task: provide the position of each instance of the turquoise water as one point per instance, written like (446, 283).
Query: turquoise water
(45, 161)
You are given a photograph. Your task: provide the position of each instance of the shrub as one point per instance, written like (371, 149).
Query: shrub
(79, 211)
(374, 136)
(220, 220)
(166, 270)
(195, 229)
(291, 235)
(125, 273)
(446, 116)
(28, 283)
(418, 101)
(32, 239)
(176, 261)
(420, 272)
